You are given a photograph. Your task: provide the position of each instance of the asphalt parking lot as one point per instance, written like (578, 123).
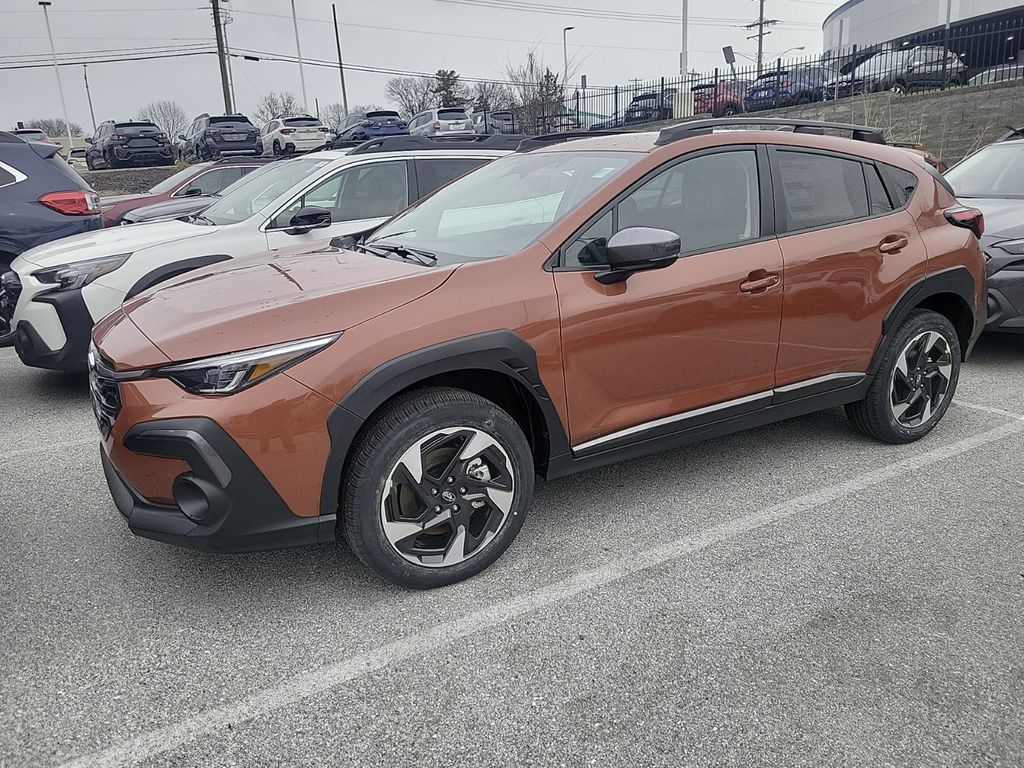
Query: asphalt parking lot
(793, 595)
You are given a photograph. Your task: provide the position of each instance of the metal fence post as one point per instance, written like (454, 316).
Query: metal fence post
(616, 104)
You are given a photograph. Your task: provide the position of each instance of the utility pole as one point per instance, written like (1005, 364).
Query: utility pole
(92, 115)
(341, 64)
(682, 46)
(227, 55)
(221, 58)
(298, 51)
(56, 70)
(760, 23)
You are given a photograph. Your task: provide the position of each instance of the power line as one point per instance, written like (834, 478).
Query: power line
(29, 57)
(108, 60)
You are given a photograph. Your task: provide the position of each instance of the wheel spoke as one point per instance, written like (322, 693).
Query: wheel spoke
(502, 500)
(403, 533)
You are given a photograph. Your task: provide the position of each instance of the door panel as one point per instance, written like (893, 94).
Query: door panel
(669, 340)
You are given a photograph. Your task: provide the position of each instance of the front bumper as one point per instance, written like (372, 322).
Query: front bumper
(222, 504)
(51, 331)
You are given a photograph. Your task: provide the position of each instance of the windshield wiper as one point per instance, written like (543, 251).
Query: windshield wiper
(426, 258)
(392, 234)
(204, 219)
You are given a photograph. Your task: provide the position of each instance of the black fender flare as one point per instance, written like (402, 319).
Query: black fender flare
(501, 351)
(957, 281)
(167, 271)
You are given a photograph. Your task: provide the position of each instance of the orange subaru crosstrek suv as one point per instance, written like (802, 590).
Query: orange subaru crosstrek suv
(573, 304)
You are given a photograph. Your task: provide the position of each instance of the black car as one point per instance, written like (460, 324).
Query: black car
(371, 125)
(992, 180)
(900, 71)
(211, 138)
(42, 198)
(116, 145)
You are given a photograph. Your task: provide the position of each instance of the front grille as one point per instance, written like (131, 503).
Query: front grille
(105, 392)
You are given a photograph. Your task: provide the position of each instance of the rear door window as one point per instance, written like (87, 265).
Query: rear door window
(434, 173)
(819, 190)
(878, 198)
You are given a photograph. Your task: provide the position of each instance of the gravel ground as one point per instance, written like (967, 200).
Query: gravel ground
(792, 595)
(128, 181)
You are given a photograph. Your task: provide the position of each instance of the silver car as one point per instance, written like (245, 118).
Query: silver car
(440, 122)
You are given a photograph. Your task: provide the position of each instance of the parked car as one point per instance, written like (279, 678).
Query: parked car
(607, 125)
(207, 178)
(211, 138)
(298, 133)
(509, 325)
(445, 120)
(901, 71)
(992, 179)
(498, 121)
(184, 207)
(33, 134)
(76, 159)
(721, 99)
(66, 287)
(998, 74)
(117, 145)
(649, 107)
(800, 84)
(371, 125)
(42, 198)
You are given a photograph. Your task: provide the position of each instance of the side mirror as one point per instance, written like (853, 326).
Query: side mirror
(636, 249)
(181, 137)
(192, 192)
(309, 218)
(344, 242)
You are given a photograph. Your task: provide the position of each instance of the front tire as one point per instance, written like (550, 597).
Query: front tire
(277, 148)
(437, 489)
(915, 382)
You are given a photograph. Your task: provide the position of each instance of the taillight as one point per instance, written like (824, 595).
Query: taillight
(208, 134)
(161, 135)
(437, 125)
(365, 124)
(968, 218)
(78, 203)
(286, 131)
(322, 129)
(116, 136)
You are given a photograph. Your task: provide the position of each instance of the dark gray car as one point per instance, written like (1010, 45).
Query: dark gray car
(992, 180)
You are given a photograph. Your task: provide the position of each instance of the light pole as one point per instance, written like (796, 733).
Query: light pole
(60, 90)
(298, 50)
(794, 48)
(88, 95)
(565, 57)
(682, 47)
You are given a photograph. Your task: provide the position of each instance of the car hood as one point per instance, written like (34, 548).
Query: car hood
(110, 242)
(273, 298)
(170, 209)
(112, 200)
(1004, 218)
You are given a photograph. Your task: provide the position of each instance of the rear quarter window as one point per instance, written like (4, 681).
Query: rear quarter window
(904, 183)
(6, 176)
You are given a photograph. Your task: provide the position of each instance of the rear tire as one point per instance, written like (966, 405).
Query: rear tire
(915, 382)
(438, 487)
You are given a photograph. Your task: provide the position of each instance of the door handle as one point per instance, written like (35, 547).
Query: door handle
(759, 285)
(892, 244)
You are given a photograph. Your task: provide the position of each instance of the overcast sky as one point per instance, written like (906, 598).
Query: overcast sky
(475, 37)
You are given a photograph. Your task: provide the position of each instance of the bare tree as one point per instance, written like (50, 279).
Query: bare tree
(412, 95)
(166, 114)
(486, 97)
(362, 109)
(274, 105)
(538, 95)
(333, 115)
(53, 126)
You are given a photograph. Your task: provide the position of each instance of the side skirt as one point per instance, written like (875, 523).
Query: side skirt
(780, 409)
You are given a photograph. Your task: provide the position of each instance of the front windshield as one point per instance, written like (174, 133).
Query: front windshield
(173, 180)
(995, 171)
(254, 192)
(504, 206)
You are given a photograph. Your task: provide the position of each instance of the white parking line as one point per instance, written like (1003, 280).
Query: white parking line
(988, 409)
(323, 679)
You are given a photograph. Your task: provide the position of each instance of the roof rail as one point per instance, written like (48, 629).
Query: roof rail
(411, 142)
(235, 159)
(547, 139)
(698, 127)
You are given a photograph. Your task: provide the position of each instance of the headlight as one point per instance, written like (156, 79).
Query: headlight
(226, 374)
(1016, 247)
(68, 277)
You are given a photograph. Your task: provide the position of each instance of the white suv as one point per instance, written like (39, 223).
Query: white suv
(59, 290)
(298, 133)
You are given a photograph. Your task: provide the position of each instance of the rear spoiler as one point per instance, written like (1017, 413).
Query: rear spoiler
(44, 150)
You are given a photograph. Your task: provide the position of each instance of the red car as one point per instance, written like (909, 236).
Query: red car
(720, 99)
(200, 179)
